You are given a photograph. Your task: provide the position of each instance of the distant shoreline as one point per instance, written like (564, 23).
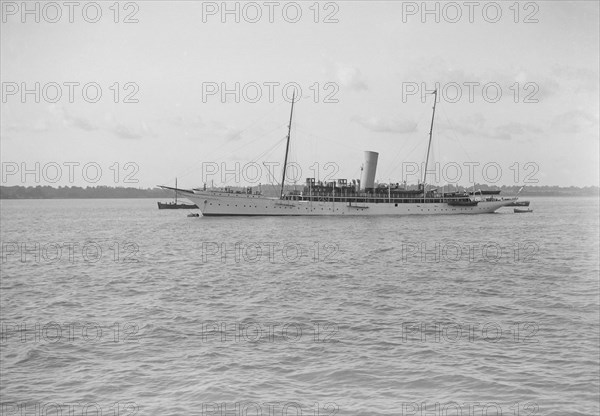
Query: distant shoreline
(522, 196)
(106, 192)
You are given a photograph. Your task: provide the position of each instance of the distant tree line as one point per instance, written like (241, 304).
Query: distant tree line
(65, 192)
(542, 190)
(68, 192)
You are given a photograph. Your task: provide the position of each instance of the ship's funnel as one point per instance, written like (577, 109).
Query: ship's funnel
(367, 179)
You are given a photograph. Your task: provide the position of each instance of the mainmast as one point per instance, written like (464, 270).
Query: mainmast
(287, 146)
(430, 136)
(175, 191)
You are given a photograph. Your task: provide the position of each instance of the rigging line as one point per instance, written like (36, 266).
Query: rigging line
(272, 179)
(276, 145)
(435, 154)
(396, 158)
(195, 165)
(270, 174)
(417, 145)
(420, 118)
(294, 157)
(287, 144)
(268, 151)
(452, 130)
(264, 153)
(258, 138)
(278, 126)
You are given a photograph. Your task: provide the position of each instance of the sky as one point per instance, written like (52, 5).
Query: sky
(140, 93)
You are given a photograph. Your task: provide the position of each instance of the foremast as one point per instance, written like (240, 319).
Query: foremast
(287, 146)
(429, 145)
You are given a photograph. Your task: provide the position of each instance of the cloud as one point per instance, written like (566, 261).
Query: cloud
(125, 132)
(577, 79)
(385, 125)
(350, 78)
(515, 128)
(78, 122)
(475, 125)
(108, 124)
(232, 135)
(193, 121)
(576, 121)
(429, 73)
(431, 70)
(50, 118)
(225, 131)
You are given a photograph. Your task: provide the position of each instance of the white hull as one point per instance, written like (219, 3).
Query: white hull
(212, 203)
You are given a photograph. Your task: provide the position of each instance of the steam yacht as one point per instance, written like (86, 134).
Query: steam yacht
(343, 197)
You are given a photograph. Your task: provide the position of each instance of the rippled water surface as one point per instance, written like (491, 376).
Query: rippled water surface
(169, 315)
